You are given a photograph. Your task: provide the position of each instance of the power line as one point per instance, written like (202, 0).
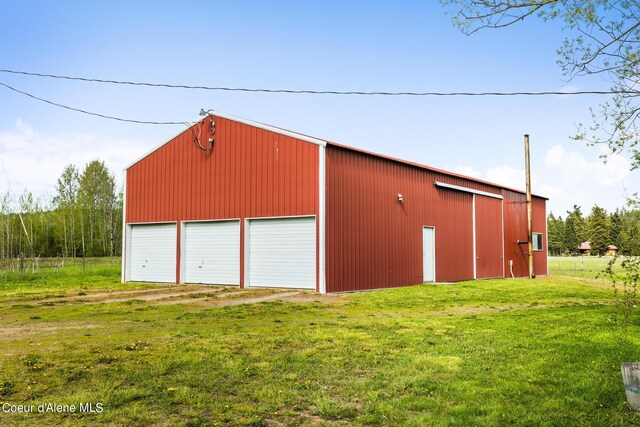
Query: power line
(104, 116)
(313, 92)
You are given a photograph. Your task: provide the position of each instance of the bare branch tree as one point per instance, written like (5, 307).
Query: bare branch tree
(605, 41)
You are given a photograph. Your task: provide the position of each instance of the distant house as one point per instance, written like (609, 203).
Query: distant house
(585, 248)
(612, 250)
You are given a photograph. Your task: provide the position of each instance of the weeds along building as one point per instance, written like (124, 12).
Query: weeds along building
(236, 202)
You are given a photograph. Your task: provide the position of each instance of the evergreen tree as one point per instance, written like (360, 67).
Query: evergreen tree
(599, 230)
(555, 227)
(574, 230)
(630, 235)
(616, 228)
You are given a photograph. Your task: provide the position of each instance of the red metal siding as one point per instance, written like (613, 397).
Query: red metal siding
(373, 241)
(540, 226)
(454, 233)
(488, 237)
(251, 172)
(515, 229)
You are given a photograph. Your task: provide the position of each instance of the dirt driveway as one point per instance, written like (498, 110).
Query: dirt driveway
(200, 295)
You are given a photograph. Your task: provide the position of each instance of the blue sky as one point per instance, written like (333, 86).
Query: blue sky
(334, 45)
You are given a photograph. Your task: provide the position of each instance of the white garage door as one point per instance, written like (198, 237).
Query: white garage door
(152, 255)
(282, 252)
(212, 252)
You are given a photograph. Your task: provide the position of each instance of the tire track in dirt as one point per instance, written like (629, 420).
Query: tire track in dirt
(148, 294)
(233, 298)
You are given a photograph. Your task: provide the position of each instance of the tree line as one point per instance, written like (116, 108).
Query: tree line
(83, 218)
(620, 228)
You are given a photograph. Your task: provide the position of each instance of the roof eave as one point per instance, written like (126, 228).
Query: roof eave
(431, 168)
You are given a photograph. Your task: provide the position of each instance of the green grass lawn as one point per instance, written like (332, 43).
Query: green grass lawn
(76, 276)
(494, 352)
(578, 266)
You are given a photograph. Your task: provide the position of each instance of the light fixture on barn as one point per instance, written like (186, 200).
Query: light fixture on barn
(212, 131)
(400, 198)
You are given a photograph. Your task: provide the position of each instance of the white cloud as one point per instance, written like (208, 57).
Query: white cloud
(614, 171)
(569, 89)
(573, 168)
(468, 171)
(567, 178)
(504, 175)
(555, 155)
(552, 192)
(572, 178)
(35, 160)
(507, 176)
(24, 128)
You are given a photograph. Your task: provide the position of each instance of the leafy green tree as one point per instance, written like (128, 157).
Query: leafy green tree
(28, 209)
(6, 246)
(604, 41)
(599, 230)
(66, 205)
(36, 227)
(98, 203)
(117, 226)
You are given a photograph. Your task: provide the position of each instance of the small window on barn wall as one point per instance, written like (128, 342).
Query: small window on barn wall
(537, 241)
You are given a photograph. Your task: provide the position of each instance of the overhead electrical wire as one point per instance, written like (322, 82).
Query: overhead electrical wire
(79, 110)
(312, 92)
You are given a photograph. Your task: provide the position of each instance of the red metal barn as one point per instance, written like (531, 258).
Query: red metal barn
(266, 207)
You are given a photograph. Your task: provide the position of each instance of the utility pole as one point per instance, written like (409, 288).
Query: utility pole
(529, 208)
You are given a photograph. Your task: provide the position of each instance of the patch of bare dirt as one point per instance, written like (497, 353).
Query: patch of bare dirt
(154, 296)
(202, 295)
(91, 295)
(314, 297)
(256, 299)
(150, 294)
(477, 310)
(253, 296)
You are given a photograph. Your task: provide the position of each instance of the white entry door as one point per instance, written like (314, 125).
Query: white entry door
(429, 254)
(152, 257)
(282, 252)
(212, 252)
